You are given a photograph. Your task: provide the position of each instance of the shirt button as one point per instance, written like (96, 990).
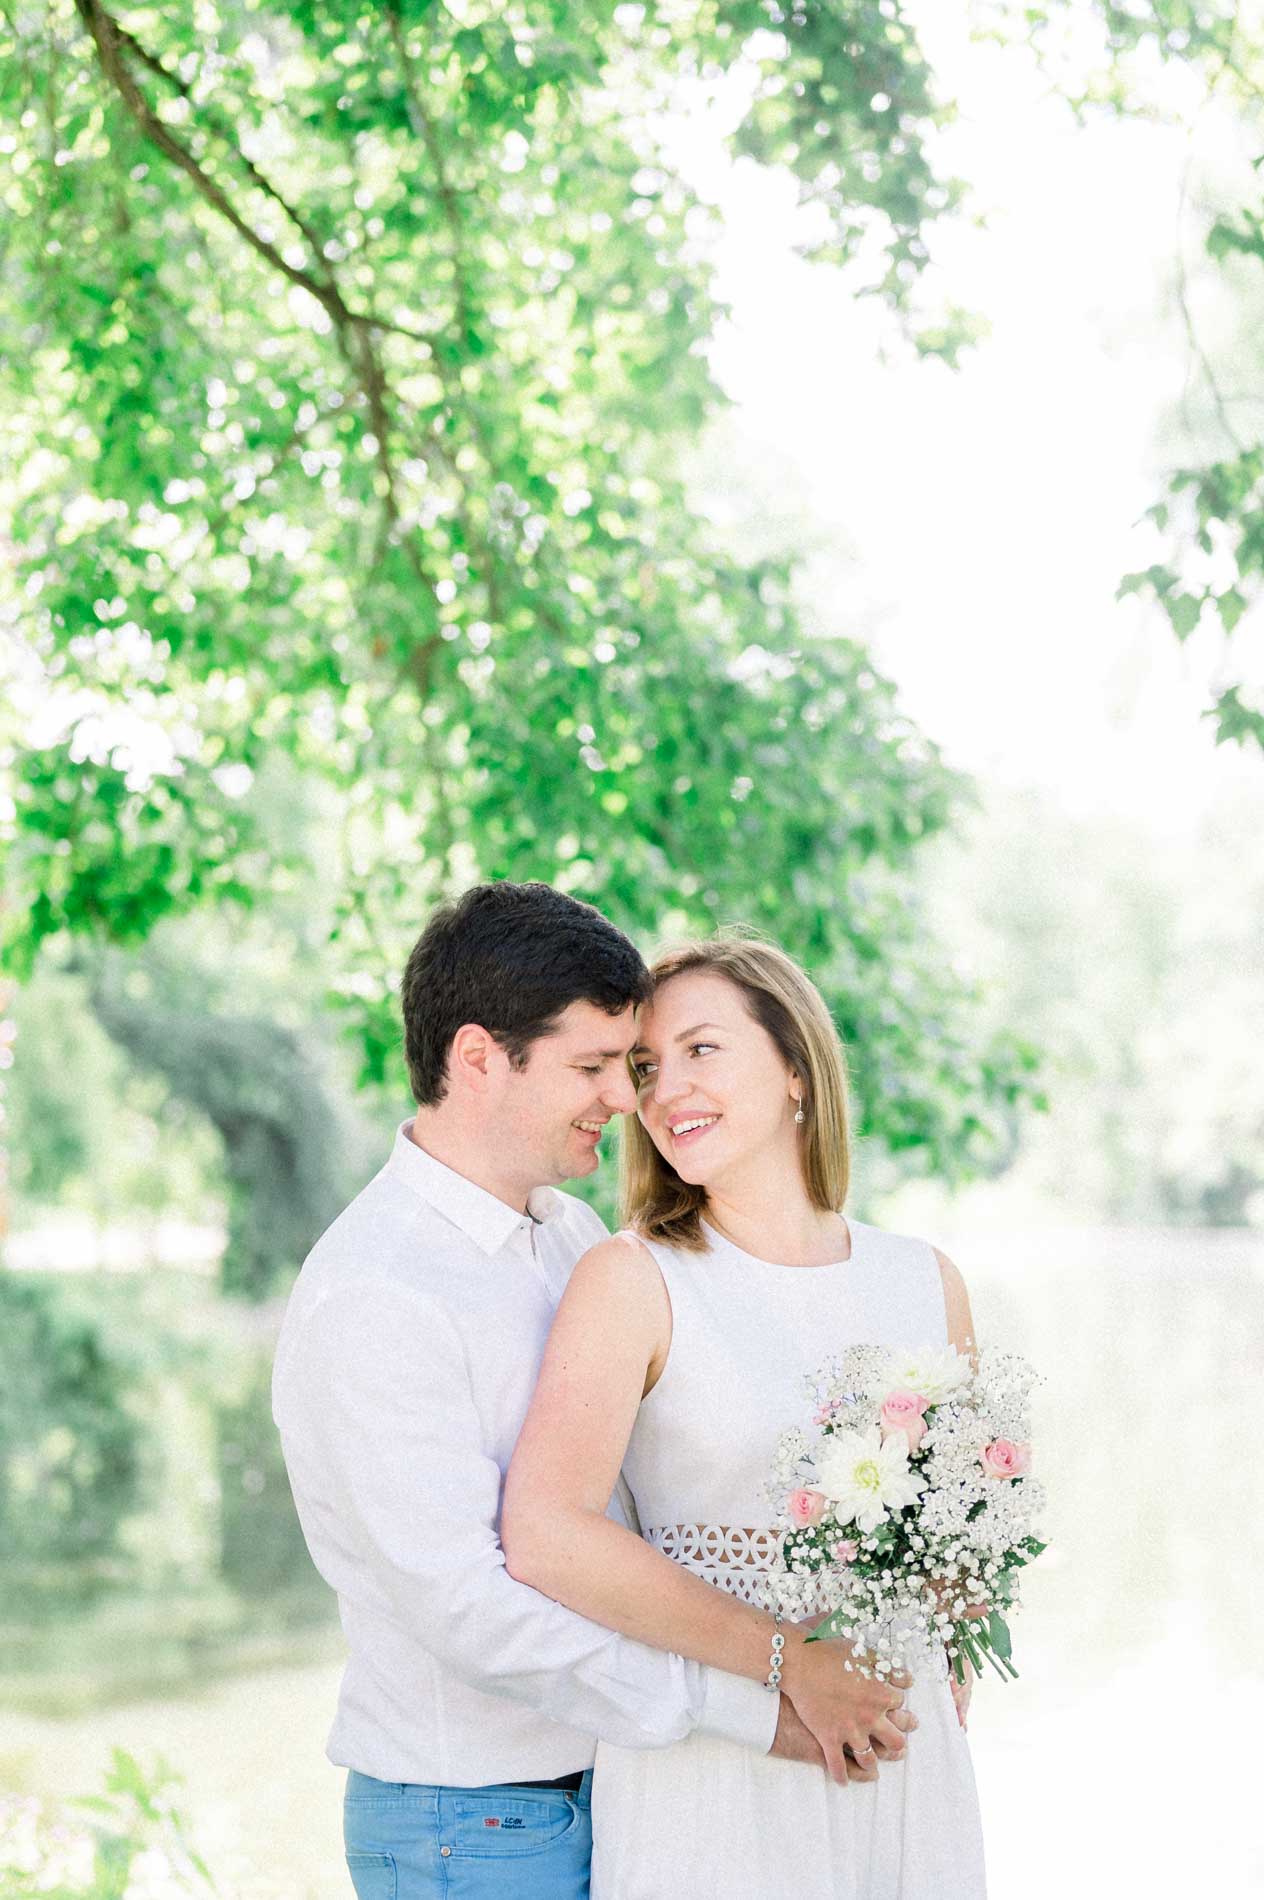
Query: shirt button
(445, 1851)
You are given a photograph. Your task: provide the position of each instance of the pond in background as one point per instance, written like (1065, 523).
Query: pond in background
(1125, 1757)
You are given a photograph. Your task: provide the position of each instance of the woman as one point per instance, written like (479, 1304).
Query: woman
(679, 1353)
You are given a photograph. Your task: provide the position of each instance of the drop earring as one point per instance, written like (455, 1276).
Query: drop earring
(799, 1116)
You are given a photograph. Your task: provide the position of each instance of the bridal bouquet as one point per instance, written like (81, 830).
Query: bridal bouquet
(912, 1504)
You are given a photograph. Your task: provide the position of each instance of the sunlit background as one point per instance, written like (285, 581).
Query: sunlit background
(1100, 889)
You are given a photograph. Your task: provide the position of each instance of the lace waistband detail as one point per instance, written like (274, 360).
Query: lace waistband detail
(734, 1560)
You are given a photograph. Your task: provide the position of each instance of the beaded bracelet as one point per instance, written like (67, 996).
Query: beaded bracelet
(774, 1661)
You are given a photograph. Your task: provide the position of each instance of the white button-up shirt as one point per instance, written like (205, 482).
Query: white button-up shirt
(406, 1363)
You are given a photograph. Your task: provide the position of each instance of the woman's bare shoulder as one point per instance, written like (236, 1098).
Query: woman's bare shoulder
(624, 1252)
(617, 1292)
(620, 1267)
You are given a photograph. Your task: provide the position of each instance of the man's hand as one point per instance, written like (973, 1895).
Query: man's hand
(793, 1740)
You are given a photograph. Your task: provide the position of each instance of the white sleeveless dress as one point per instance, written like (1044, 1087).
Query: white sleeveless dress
(707, 1816)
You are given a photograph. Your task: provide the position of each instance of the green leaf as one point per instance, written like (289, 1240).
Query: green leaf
(1236, 721)
(998, 1634)
(838, 1623)
(1184, 611)
(1230, 606)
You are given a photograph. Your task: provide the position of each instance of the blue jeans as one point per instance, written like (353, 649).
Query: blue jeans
(406, 1841)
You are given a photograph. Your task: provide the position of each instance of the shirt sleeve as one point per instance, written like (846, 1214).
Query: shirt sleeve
(386, 1448)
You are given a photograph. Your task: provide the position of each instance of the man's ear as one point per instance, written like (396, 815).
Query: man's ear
(473, 1057)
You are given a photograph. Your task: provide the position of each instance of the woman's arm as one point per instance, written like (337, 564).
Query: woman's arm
(957, 1308)
(608, 1344)
(961, 1335)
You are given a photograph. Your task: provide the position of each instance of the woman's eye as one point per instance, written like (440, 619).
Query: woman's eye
(643, 1070)
(694, 1047)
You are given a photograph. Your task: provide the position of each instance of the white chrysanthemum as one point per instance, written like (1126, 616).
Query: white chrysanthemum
(864, 1476)
(935, 1372)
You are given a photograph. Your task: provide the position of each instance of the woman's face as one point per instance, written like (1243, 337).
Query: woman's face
(713, 1093)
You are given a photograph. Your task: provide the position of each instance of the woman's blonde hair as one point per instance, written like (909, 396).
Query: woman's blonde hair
(787, 1004)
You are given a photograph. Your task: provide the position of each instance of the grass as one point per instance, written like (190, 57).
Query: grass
(127, 1649)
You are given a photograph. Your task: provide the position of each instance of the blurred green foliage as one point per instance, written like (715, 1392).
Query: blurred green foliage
(70, 1444)
(89, 1133)
(195, 1078)
(135, 1846)
(147, 1532)
(1210, 511)
(350, 355)
(1132, 956)
(262, 1552)
(287, 1166)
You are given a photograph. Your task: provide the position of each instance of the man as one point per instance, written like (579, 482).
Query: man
(410, 1348)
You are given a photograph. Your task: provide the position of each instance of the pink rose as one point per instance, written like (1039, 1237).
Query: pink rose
(902, 1412)
(847, 1551)
(807, 1508)
(1004, 1459)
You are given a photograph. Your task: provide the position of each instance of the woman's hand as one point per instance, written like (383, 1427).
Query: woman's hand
(946, 1594)
(961, 1690)
(901, 1718)
(795, 1742)
(845, 1708)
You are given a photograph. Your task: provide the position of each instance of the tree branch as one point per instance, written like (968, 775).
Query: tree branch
(108, 38)
(1191, 333)
(210, 117)
(402, 329)
(423, 127)
(353, 329)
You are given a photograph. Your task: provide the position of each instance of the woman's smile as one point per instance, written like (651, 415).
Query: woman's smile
(687, 1129)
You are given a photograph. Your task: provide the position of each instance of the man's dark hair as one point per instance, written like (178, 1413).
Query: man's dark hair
(510, 957)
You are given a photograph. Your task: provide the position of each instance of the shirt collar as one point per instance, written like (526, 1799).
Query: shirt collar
(487, 1221)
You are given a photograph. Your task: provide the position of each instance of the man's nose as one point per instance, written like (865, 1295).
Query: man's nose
(620, 1095)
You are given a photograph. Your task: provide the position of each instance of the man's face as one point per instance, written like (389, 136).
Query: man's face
(575, 1080)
